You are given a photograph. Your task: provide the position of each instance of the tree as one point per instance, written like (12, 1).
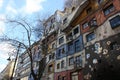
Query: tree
(23, 23)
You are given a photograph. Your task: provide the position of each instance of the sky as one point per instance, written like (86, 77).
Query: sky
(30, 8)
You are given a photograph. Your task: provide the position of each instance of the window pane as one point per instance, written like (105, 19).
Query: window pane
(109, 9)
(115, 22)
(85, 25)
(77, 46)
(90, 37)
(62, 64)
(76, 30)
(71, 61)
(61, 40)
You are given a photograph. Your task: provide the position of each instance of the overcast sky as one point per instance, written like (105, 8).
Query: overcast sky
(14, 8)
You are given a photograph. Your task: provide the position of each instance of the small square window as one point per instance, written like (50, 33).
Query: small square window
(90, 36)
(115, 22)
(85, 25)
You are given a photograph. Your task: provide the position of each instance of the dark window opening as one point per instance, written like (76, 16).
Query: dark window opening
(89, 10)
(50, 57)
(109, 9)
(71, 61)
(79, 60)
(115, 22)
(50, 68)
(58, 66)
(76, 30)
(61, 40)
(90, 36)
(112, 45)
(100, 1)
(77, 46)
(62, 64)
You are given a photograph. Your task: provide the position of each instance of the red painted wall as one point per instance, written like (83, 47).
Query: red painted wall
(68, 75)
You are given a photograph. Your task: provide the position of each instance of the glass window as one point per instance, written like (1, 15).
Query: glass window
(53, 46)
(109, 9)
(76, 30)
(69, 36)
(71, 61)
(65, 21)
(50, 57)
(62, 64)
(89, 10)
(50, 68)
(61, 40)
(115, 22)
(59, 52)
(58, 66)
(90, 36)
(79, 60)
(100, 1)
(93, 22)
(70, 46)
(77, 46)
(85, 25)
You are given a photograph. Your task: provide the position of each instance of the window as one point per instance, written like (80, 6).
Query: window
(50, 57)
(65, 21)
(53, 46)
(90, 36)
(100, 1)
(112, 45)
(62, 50)
(50, 68)
(62, 64)
(85, 25)
(77, 46)
(70, 47)
(115, 22)
(61, 40)
(79, 60)
(76, 30)
(58, 66)
(109, 9)
(89, 10)
(93, 22)
(64, 78)
(59, 77)
(71, 61)
(69, 36)
(59, 52)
